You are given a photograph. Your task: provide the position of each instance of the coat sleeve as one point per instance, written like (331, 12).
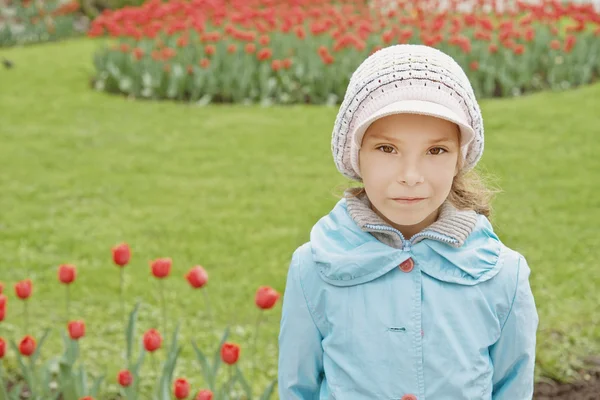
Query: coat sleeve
(513, 355)
(300, 351)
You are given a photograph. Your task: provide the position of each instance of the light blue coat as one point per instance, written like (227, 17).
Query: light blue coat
(460, 325)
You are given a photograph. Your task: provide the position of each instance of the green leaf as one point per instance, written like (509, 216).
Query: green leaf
(131, 332)
(269, 391)
(136, 367)
(217, 356)
(206, 370)
(82, 385)
(15, 393)
(24, 370)
(244, 383)
(38, 349)
(96, 387)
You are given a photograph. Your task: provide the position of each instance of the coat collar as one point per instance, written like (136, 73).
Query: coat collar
(453, 223)
(346, 255)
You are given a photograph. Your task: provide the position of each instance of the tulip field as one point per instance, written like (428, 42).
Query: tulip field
(33, 21)
(144, 245)
(283, 52)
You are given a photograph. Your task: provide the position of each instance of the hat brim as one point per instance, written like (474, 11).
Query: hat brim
(417, 107)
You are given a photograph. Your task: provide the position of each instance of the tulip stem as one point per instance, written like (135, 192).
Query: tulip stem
(33, 380)
(212, 322)
(67, 305)
(121, 284)
(230, 386)
(164, 306)
(254, 355)
(26, 313)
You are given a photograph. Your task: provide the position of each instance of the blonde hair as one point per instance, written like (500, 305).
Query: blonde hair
(470, 191)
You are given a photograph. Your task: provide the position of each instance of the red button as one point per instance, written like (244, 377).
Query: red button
(409, 397)
(407, 265)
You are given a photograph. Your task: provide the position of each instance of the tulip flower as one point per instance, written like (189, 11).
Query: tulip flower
(204, 395)
(27, 346)
(3, 302)
(265, 299)
(76, 329)
(197, 277)
(23, 290)
(66, 275)
(152, 340)
(230, 353)
(161, 268)
(181, 388)
(125, 378)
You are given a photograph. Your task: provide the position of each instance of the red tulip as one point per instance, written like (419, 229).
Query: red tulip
(205, 63)
(300, 32)
(183, 41)
(87, 398)
(204, 395)
(168, 53)
(125, 378)
(197, 277)
(266, 297)
(474, 65)
(2, 314)
(493, 48)
(230, 353)
(27, 346)
(264, 40)
(161, 267)
(24, 289)
(138, 53)
(276, 65)
(152, 340)
(529, 34)
(519, 49)
(181, 388)
(232, 48)
(2, 348)
(3, 301)
(210, 50)
(287, 63)
(264, 54)
(555, 44)
(122, 252)
(570, 41)
(76, 329)
(67, 273)
(250, 48)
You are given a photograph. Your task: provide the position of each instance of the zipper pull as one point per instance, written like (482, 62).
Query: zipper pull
(406, 246)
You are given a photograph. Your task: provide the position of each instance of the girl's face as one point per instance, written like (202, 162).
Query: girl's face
(408, 163)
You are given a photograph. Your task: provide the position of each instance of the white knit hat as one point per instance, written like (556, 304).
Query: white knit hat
(406, 78)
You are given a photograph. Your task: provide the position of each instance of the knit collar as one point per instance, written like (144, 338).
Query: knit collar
(453, 223)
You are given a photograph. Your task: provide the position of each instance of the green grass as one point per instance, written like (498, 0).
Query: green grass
(237, 189)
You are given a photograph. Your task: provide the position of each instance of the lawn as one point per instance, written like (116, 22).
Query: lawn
(237, 189)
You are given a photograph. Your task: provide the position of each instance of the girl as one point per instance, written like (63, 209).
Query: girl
(404, 291)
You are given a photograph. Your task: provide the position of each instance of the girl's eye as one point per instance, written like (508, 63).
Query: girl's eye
(386, 149)
(437, 151)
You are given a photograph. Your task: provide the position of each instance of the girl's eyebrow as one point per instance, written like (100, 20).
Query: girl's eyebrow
(390, 139)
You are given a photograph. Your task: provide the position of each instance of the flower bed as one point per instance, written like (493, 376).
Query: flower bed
(33, 21)
(66, 375)
(275, 52)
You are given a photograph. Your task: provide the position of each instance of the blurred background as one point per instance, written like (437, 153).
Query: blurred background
(197, 133)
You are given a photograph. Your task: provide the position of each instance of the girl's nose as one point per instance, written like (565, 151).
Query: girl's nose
(410, 174)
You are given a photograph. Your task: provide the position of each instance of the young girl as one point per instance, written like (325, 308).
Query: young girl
(404, 291)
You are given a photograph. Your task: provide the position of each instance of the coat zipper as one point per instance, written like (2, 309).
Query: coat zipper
(406, 244)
